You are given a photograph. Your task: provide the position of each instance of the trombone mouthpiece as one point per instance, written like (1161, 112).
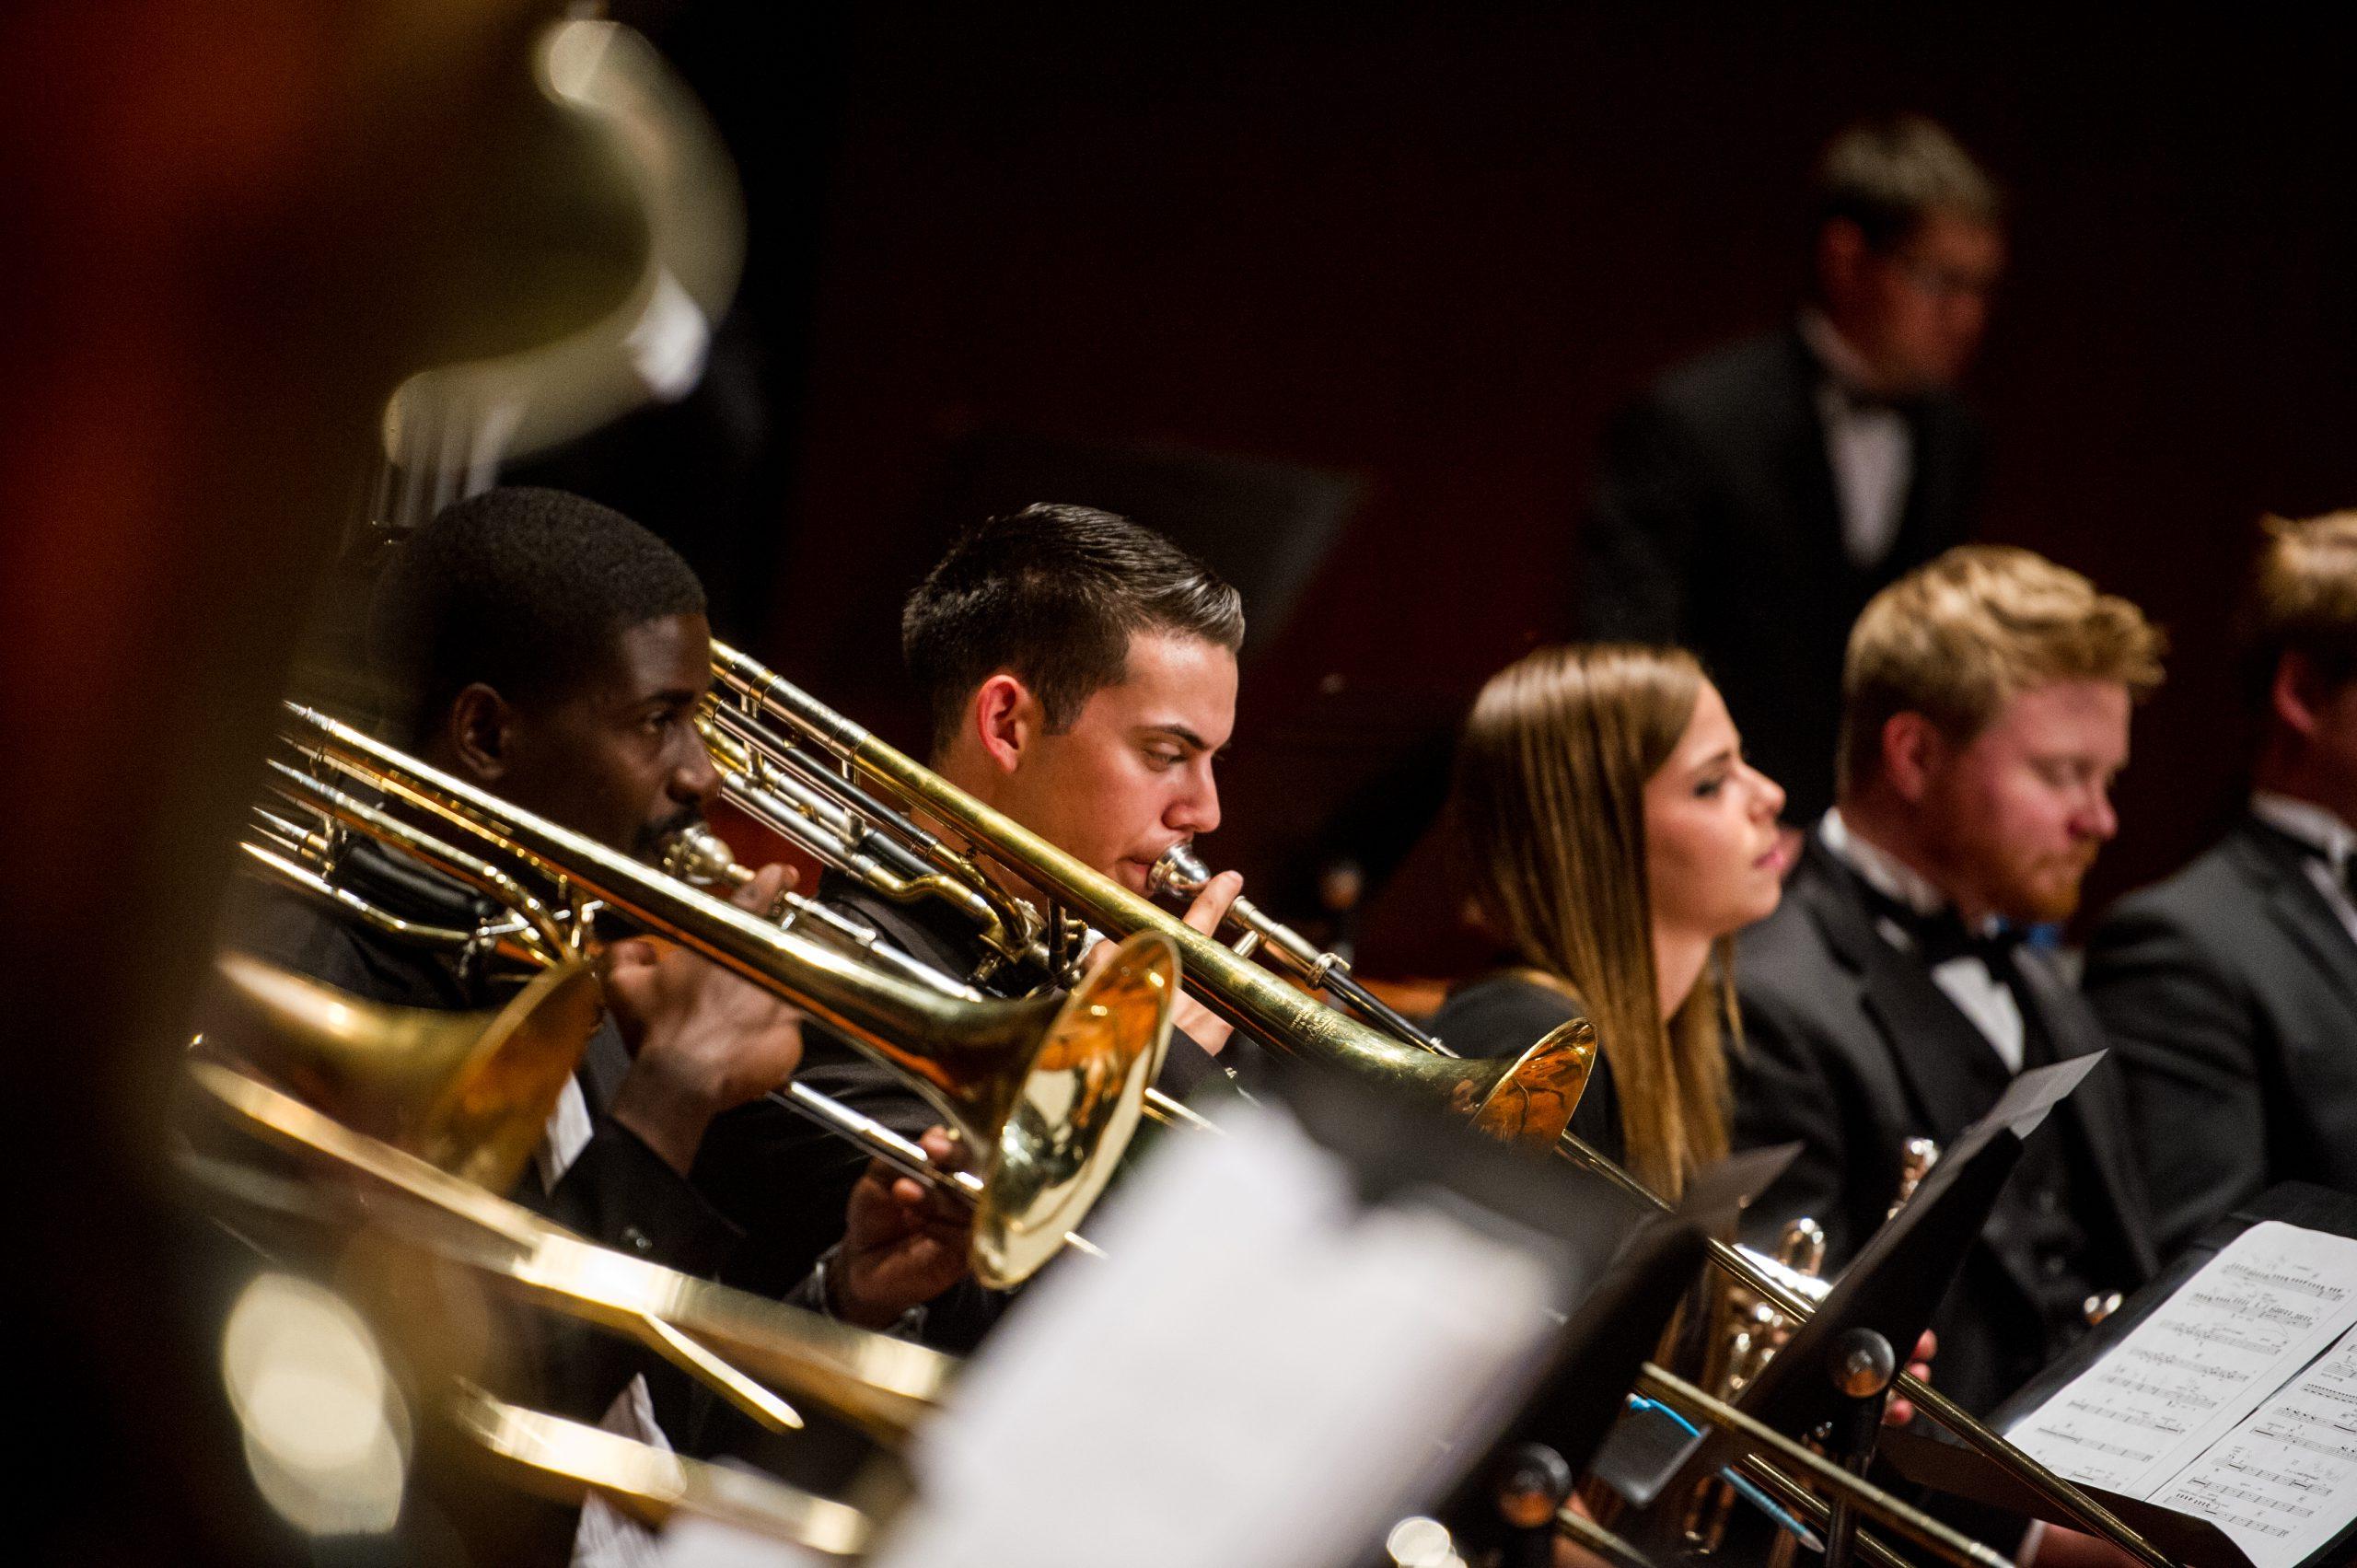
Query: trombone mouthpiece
(698, 855)
(1181, 870)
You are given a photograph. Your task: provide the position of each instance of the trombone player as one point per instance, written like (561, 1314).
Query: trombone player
(553, 652)
(1080, 673)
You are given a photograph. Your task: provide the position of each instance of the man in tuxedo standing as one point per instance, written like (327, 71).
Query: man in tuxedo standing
(2229, 990)
(1985, 710)
(1753, 500)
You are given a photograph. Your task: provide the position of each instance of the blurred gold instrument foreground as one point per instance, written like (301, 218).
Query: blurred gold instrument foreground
(466, 1092)
(548, 1453)
(882, 1385)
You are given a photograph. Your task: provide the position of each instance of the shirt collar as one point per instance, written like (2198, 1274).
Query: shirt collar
(1883, 871)
(2314, 826)
(1841, 362)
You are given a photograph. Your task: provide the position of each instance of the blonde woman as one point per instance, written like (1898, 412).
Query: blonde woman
(1617, 841)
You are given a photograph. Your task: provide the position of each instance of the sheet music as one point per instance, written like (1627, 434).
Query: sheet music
(2218, 1403)
(2283, 1483)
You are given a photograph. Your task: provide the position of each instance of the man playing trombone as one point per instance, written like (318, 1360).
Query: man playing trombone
(1080, 673)
(553, 652)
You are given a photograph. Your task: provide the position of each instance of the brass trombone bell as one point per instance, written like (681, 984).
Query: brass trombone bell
(469, 1093)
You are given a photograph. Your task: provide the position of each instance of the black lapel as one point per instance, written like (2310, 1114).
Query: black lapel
(1935, 456)
(1807, 470)
(1949, 1071)
(2276, 867)
(2096, 1107)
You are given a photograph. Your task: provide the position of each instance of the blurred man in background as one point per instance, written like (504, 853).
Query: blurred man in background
(1753, 500)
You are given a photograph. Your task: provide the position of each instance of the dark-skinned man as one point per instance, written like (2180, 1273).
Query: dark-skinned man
(553, 652)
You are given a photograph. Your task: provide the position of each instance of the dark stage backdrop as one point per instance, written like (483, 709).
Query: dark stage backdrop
(1345, 300)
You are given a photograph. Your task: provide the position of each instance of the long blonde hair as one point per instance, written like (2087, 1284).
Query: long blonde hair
(1550, 811)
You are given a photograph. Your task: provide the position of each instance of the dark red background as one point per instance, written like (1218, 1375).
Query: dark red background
(1431, 251)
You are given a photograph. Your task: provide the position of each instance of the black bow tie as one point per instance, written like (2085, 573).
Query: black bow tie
(1942, 935)
(1858, 399)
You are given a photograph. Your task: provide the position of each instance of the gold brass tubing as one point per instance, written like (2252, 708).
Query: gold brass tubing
(1526, 1099)
(1911, 1522)
(652, 1483)
(1814, 1509)
(547, 938)
(977, 1063)
(295, 874)
(2021, 1466)
(886, 1385)
(774, 784)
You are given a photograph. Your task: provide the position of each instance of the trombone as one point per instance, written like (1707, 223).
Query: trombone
(1528, 1098)
(1180, 873)
(1046, 1091)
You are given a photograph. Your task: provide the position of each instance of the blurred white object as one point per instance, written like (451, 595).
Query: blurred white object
(1266, 1372)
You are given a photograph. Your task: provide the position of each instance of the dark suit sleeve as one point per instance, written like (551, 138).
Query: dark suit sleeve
(1785, 1092)
(2185, 1036)
(619, 1193)
(1637, 544)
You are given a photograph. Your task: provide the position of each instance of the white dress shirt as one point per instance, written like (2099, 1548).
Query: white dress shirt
(606, 1538)
(1871, 450)
(1978, 994)
(2327, 835)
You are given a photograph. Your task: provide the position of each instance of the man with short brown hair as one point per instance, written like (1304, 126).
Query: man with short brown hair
(1986, 702)
(2229, 990)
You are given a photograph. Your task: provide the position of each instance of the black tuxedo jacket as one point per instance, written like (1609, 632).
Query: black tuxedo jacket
(1851, 1048)
(2230, 995)
(1716, 527)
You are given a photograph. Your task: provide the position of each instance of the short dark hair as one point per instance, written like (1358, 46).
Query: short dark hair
(1888, 175)
(1052, 594)
(518, 589)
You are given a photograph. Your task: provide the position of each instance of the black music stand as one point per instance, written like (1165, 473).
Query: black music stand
(1577, 1405)
(1897, 1280)
(1886, 1298)
(1628, 1271)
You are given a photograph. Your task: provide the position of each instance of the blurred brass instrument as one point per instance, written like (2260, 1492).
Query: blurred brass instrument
(889, 1387)
(1528, 1098)
(468, 1093)
(884, 1388)
(1045, 1092)
(549, 1453)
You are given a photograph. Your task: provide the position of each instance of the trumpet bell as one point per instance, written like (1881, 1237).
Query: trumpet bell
(466, 1092)
(1072, 1111)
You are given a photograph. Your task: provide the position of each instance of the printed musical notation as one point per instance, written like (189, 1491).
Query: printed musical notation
(2236, 1399)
